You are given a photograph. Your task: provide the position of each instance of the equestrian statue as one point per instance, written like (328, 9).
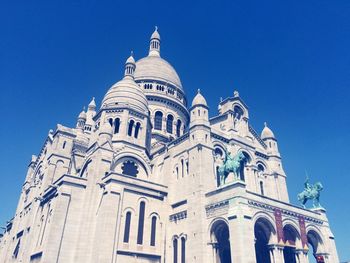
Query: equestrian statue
(231, 164)
(311, 192)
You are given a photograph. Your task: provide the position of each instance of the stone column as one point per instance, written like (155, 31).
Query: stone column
(301, 255)
(241, 230)
(276, 253)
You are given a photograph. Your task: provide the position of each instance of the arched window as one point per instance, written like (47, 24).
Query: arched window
(261, 188)
(175, 249)
(131, 126)
(153, 230)
(137, 129)
(116, 125)
(261, 169)
(178, 128)
(141, 223)
(127, 227)
(169, 123)
(238, 112)
(110, 120)
(158, 118)
(183, 250)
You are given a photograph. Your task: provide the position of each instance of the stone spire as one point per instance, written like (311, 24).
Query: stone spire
(154, 46)
(130, 66)
(81, 120)
(92, 104)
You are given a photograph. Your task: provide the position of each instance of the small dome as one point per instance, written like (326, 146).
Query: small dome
(131, 59)
(126, 93)
(155, 34)
(82, 115)
(92, 104)
(156, 68)
(267, 133)
(199, 100)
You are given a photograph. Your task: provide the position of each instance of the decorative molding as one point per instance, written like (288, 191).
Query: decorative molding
(217, 208)
(178, 216)
(286, 212)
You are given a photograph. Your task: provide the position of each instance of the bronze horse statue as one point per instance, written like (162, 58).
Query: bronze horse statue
(311, 192)
(231, 164)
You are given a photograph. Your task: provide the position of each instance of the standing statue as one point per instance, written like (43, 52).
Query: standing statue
(311, 192)
(231, 164)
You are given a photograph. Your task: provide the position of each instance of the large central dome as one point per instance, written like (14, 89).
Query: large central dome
(166, 97)
(155, 68)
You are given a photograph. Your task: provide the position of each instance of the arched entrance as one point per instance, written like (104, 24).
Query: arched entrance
(262, 232)
(290, 237)
(315, 244)
(220, 239)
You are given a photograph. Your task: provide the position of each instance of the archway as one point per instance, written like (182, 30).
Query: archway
(262, 232)
(290, 237)
(220, 239)
(315, 244)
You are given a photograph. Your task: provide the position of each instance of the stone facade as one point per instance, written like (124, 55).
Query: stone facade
(137, 181)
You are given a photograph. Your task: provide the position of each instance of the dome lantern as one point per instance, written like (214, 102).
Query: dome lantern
(130, 66)
(154, 46)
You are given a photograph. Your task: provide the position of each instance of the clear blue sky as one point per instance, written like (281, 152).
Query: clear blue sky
(290, 61)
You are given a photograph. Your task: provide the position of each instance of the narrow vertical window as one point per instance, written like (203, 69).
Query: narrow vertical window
(141, 223)
(158, 118)
(183, 250)
(16, 251)
(116, 125)
(261, 188)
(110, 121)
(64, 145)
(175, 250)
(178, 128)
(169, 123)
(153, 230)
(127, 227)
(131, 126)
(137, 129)
(182, 168)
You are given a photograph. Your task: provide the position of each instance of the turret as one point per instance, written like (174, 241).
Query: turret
(81, 120)
(199, 111)
(90, 114)
(105, 133)
(269, 138)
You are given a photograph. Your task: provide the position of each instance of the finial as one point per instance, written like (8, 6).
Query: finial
(265, 124)
(131, 53)
(221, 99)
(235, 93)
(198, 91)
(155, 28)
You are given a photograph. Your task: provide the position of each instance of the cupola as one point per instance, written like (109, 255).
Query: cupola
(269, 138)
(199, 114)
(154, 45)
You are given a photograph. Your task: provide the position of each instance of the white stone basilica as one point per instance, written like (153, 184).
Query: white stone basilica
(137, 180)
